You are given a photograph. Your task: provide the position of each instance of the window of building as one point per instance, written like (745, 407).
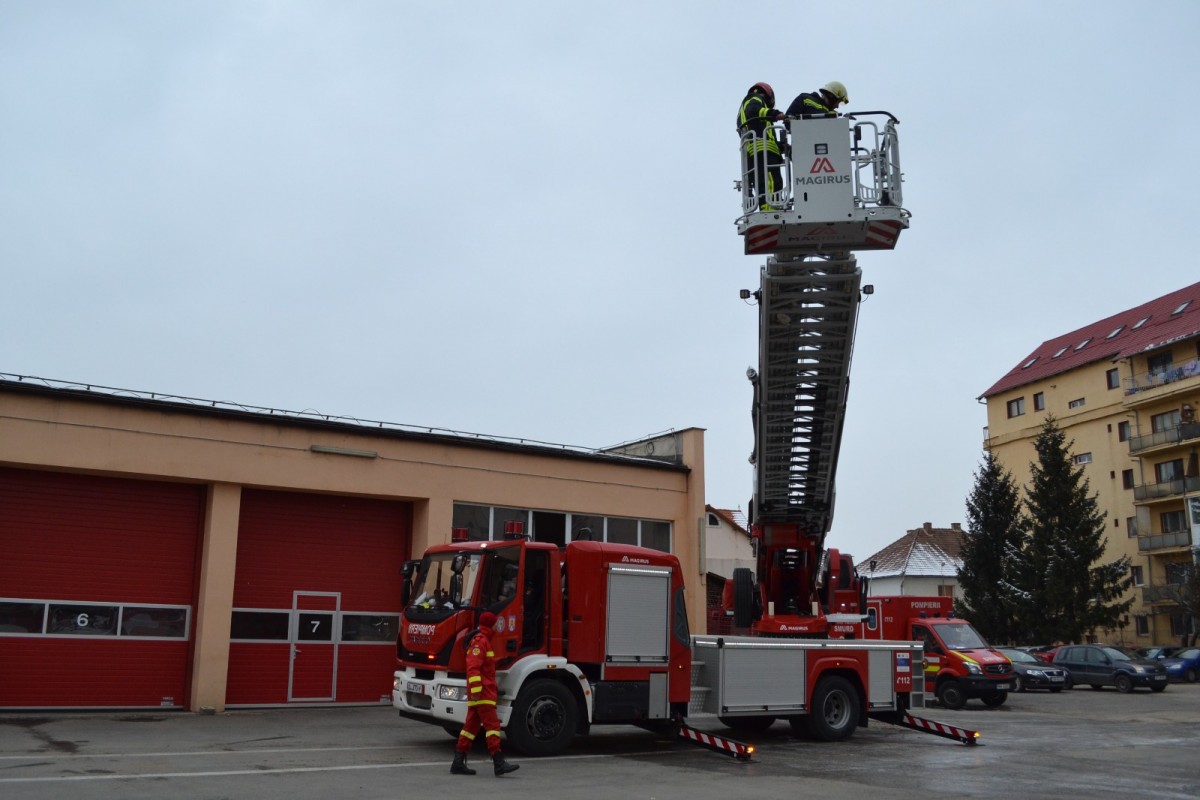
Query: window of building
(1113, 378)
(1131, 527)
(1157, 363)
(1016, 407)
(1029, 363)
(1177, 572)
(1116, 330)
(1166, 471)
(1136, 573)
(486, 523)
(713, 522)
(1167, 421)
(1141, 624)
(1181, 308)
(1181, 624)
(1127, 478)
(945, 590)
(1060, 352)
(1039, 402)
(1082, 344)
(1172, 521)
(1083, 458)
(49, 618)
(1140, 323)
(1077, 402)
(1123, 429)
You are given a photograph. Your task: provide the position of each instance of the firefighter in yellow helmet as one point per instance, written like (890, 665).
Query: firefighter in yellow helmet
(825, 100)
(762, 155)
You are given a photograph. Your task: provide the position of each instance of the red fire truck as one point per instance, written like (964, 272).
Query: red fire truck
(959, 664)
(597, 633)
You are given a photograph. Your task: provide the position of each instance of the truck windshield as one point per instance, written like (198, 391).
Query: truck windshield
(959, 636)
(432, 590)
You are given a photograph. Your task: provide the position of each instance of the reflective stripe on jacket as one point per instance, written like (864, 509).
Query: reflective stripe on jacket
(481, 670)
(755, 115)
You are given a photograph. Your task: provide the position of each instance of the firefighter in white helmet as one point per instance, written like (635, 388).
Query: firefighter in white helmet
(825, 100)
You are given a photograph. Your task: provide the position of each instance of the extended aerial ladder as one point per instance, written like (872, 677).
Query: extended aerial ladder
(841, 192)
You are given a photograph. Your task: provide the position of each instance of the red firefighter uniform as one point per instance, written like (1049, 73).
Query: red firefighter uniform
(481, 692)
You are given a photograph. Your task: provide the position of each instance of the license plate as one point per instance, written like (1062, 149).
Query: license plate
(1160, 677)
(1053, 679)
(415, 688)
(1003, 687)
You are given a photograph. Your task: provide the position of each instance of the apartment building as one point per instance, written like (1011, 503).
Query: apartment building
(1126, 390)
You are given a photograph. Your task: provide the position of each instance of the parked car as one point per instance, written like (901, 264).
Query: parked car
(1030, 672)
(1184, 665)
(1103, 665)
(1155, 653)
(1040, 651)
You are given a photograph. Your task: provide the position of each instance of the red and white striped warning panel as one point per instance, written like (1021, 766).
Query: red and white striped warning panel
(738, 750)
(963, 735)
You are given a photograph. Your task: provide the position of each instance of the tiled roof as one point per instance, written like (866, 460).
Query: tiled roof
(925, 551)
(1145, 327)
(734, 516)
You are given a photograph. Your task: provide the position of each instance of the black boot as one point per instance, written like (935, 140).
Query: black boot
(459, 767)
(503, 767)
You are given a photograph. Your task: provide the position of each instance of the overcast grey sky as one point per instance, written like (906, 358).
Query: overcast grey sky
(517, 218)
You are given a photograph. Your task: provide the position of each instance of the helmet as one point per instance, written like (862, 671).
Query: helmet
(766, 89)
(838, 90)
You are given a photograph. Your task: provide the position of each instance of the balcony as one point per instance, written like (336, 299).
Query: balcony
(1162, 377)
(1175, 488)
(1160, 541)
(1177, 435)
(1162, 593)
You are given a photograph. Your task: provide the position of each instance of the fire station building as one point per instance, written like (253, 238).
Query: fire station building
(168, 552)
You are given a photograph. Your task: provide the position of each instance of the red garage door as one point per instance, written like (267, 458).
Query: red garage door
(97, 580)
(316, 599)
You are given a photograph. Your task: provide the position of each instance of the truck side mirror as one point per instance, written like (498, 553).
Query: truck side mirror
(456, 589)
(406, 573)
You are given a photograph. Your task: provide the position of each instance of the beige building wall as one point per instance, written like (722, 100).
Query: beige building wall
(226, 451)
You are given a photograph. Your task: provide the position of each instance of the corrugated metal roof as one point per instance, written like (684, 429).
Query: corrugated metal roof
(1146, 327)
(926, 551)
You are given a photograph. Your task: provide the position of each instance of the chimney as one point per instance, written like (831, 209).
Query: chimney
(928, 526)
(956, 526)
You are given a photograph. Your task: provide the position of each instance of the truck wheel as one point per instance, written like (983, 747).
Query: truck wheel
(1123, 683)
(743, 597)
(950, 695)
(995, 700)
(834, 712)
(543, 719)
(748, 724)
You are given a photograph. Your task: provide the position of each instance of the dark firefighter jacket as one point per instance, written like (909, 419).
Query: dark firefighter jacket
(808, 103)
(756, 115)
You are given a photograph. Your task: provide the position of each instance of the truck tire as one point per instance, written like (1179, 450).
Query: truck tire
(994, 700)
(834, 712)
(743, 597)
(1123, 683)
(951, 695)
(543, 719)
(747, 724)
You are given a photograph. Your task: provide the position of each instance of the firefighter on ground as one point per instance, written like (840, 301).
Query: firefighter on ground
(823, 101)
(481, 701)
(762, 156)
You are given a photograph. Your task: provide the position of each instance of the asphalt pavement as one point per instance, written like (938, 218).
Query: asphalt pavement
(1078, 743)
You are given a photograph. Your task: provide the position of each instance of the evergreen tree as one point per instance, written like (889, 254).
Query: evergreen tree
(1071, 593)
(989, 600)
